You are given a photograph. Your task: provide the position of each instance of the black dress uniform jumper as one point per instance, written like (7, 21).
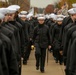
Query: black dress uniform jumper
(1, 58)
(68, 30)
(27, 42)
(71, 54)
(71, 48)
(56, 43)
(10, 65)
(66, 21)
(41, 39)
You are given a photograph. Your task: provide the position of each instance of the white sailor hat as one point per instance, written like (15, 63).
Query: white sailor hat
(22, 15)
(17, 7)
(52, 15)
(59, 19)
(41, 18)
(47, 16)
(23, 12)
(74, 9)
(60, 16)
(1, 16)
(41, 15)
(3, 10)
(74, 5)
(11, 10)
(71, 11)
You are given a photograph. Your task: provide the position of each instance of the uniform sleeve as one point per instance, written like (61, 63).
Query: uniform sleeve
(27, 31)
(73, 58)
(31, 30)
(13, 64)
(61, 32)
(34, 34)
(53, 34)
(49, 37)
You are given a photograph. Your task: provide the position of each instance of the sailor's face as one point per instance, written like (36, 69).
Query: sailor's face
(74, 16)
(59, 22)
(30, 18)
(41, 21)
(6, 18)
(23, 18)
(11, 16)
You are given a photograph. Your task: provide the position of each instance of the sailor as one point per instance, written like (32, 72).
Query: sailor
(41, 41)
(55, 39)
(26, 23)
(9, 61)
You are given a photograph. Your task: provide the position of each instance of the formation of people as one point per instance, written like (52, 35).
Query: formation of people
(53, 32)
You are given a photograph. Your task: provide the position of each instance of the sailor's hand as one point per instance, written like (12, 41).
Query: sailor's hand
(30, 39)
(49, 47)
(61, 52)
